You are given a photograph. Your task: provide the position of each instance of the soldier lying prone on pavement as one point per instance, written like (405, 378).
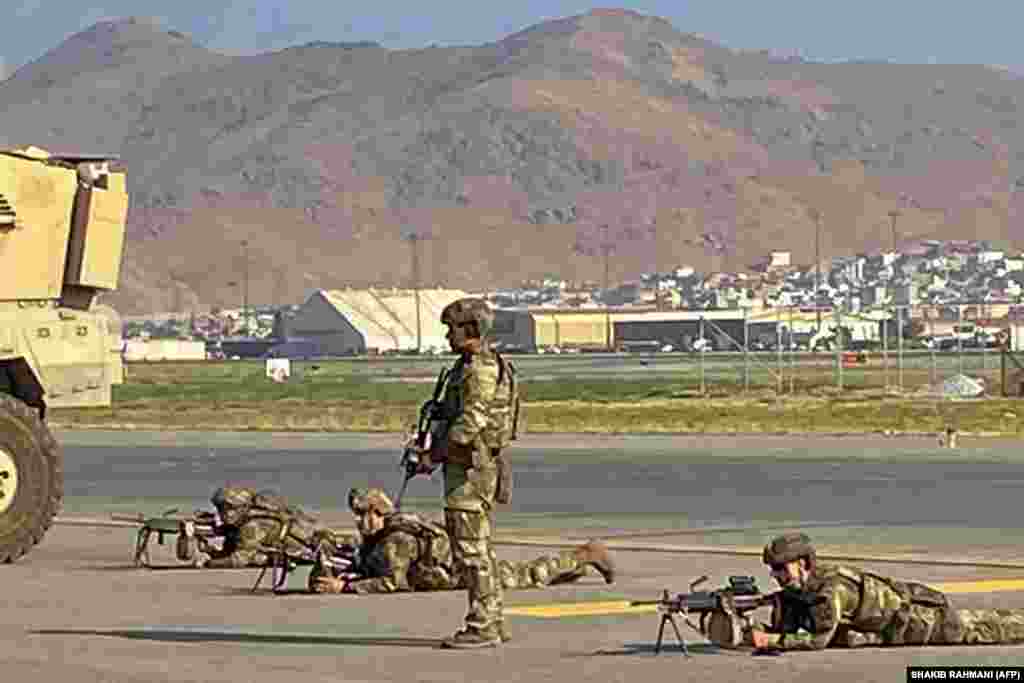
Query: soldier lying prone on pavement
(251, 522)
(407, 552)
(829, 605)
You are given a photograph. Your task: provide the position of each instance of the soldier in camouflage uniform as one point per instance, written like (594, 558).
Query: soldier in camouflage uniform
(825, 605)
(251, 523)
(406, 552)
(471, 468)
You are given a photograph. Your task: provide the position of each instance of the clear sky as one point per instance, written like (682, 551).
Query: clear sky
(982, 31)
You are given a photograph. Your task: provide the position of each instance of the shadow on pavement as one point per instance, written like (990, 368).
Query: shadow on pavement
(667, 650)
(153, 568)
(267, 592)
(170, 636)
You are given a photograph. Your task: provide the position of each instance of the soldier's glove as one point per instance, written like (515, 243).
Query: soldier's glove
(440, 451)
(329, 584)
(725, 630)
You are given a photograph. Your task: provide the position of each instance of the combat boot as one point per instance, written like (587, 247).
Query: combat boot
(186, 548)
(472, 639)
(595, 553)
(859, 639)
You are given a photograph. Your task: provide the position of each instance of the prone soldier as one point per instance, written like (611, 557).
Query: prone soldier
(833, 605)
(406, 552)
(252, 523)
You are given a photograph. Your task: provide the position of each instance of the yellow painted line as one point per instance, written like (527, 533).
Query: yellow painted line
(989, 586)
(579, 609)
(611, 607)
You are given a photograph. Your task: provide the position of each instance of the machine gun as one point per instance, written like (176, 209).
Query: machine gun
(337, 560)
(723, 606)
(201, 523)
(430, 413)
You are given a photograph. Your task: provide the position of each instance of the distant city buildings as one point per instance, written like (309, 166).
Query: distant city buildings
(937, 282)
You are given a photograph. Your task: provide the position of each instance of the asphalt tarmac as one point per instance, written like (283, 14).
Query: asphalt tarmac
(904, 494)
(76, 609)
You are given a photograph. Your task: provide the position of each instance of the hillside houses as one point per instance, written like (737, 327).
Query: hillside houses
(939, 284)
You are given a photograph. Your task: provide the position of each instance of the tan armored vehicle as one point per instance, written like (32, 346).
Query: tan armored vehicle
(62, 222)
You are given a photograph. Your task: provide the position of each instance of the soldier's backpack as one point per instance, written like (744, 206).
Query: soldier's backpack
(503, 416)
(297, 526)
(435, 547)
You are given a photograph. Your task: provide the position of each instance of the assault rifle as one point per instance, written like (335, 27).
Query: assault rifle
(430, 412)
(739, 597)
(200, 523)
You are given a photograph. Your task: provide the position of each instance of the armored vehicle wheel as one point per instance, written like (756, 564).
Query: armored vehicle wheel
(31, 478)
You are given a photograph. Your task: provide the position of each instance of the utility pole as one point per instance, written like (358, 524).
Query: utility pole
(816, 215)
(657, 279)
(279, 277)
(892, 215)
(245, 287)
(414, 238)
(176, 285)
(606, 250)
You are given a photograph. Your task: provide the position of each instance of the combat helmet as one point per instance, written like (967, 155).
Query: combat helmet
(361, 500)
(232, 497)
(788, 547)
(469, 310)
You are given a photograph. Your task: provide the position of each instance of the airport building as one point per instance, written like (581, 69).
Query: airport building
(629, 328)
(615, 327)
(357, 321)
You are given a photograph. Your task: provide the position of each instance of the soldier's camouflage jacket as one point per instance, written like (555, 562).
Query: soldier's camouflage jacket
(846, 606)
(412, 553)
(471, 389)
(246, 545)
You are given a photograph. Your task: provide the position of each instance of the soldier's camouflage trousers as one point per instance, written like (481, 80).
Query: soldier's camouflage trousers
(927, 626)
(991, 626)
(469, 504)
(543, 571)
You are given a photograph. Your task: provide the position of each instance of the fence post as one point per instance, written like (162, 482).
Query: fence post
(701, 353)
(1002, 370)
(959, 339)
(792, 352)
(839, 345)
(885, 347)
(899, 332)
(746, 351)
(931, 335)
(778, 352)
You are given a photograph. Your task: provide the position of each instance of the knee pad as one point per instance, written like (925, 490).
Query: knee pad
(540, 573)
(467, 525)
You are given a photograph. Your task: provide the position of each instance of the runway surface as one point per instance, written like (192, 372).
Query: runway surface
(901, 494)
(76, 609)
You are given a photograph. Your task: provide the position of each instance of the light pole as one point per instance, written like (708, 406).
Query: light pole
(245, 288)
(233, 284)
(816, 217)
(414, 238)
(606, 249)
(892, 215)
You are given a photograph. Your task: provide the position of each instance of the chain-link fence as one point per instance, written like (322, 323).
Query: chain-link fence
(959, 349)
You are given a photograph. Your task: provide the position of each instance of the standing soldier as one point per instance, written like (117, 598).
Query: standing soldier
(477, 422)
(830, 605)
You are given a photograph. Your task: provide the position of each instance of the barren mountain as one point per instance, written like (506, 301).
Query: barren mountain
(515, 159)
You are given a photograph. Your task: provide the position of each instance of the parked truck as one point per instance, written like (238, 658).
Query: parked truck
(62, 228)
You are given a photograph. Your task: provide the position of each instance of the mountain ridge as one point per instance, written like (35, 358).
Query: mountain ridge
(515, 159)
